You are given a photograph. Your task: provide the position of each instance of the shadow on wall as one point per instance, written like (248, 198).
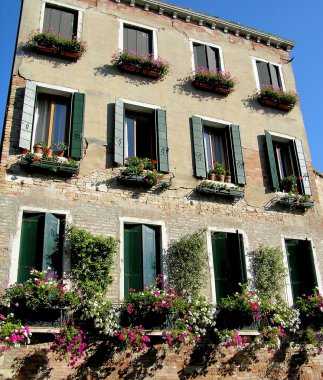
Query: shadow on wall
(16, 122)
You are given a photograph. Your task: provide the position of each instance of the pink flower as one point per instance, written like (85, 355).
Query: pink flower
(20, 284)
(2, 316)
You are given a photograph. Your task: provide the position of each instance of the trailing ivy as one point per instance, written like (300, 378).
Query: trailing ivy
(91, 261)
(186, 263)
(268, 271)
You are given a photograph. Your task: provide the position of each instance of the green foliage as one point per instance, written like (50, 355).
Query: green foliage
(186, 262)
(268, 271)
(310, 307)
(217, 78)
(91, 260)
(51, 41)
(277, 95)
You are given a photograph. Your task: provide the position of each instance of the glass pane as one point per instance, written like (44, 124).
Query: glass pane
(145, 136)
(208, 155)
(130, 130)
(42, 118)
(59, 122)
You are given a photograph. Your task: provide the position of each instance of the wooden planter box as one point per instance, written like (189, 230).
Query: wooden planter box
(293, 203)
(234, 193)
(54, 317)
(236, 319)
(271, 103)
(137, 69)
(50, 166)
(58, 53)
(205, 86)
(133, 180)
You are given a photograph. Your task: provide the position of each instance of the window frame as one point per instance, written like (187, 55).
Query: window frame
(79, 10)
(288, 285)
(193, 41)
(153, 31)
(15, 250)
(255, 70)
(305, 182)
(218, 123)
(163, 245)
(27, 138)
(209, 232)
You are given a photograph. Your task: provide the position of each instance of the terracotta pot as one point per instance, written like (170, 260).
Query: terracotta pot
(205, 86)
(221, 177)
(59, 153)
(49, 152)
(69, 54)
(211, 176)
(38, 149)
(227, 179)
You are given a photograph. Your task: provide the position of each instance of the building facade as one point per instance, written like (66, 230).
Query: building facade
(104, 115)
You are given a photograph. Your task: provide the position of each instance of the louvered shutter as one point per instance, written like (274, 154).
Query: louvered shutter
(199, 154)
(274, 75)
(162, 144)
(211, 58)
(133, 265)
(272, 162)
(200, 57)
(51, 241)
(27, 115)
(237, 155)
(302, 167)
(263, 73)
(221, 264)
(119, 132)
(76, 149)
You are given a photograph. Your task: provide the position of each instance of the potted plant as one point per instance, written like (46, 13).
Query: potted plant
(70, 48)
(211, 174)
(289, 183)
(277, 98)
(216, 81)
(227, 178)
(44, 43)
(219, 170)
(38, 147)
(59, 148)
(135, 63)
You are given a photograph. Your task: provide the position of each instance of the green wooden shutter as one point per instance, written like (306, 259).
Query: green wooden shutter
(31, 245)
(237, 156)
(149, 251)
(302, 167)
(221, 265)
(302, 269)
(199, 154)
(119, 132)
(27, 115)
(133, 265)
(51, 241)
(263, 73)
(242, 259)
(163, 164)
(77, 125)
(272, 162)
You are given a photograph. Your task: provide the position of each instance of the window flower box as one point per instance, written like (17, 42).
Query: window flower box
(34, 162)
(135, 63)
(216, 81)
(47, 43)
(219, 189)
(270, 96)
(296, 200)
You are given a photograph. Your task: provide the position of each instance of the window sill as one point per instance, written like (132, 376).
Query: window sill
(205, 86)
(60, 167)
(57, 53)
(140, 180)
(220, 189)
(271, 103)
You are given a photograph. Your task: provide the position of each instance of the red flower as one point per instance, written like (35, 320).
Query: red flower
(214, 161)
(36, 158)
(300, 177)
(25, 150)
(154, 162)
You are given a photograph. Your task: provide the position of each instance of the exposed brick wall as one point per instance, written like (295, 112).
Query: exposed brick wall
(204, 362)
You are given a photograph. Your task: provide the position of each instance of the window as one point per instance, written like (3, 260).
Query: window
(286, 157)
(268, 74)
(220, 142)
(142, 261)
(301, 265)
(142, 132)
(228, 262)
(41, 243)
(138, 40)
(206, 56)
(60, 21)
(51, 116)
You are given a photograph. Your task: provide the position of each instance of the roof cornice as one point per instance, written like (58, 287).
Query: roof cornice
(212, 22)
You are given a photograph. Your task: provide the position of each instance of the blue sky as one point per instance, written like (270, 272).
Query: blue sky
(295, 20)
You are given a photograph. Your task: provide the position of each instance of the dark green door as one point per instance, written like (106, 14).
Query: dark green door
(301, 265)
(141, 256)
(229, 263)
(31, 245)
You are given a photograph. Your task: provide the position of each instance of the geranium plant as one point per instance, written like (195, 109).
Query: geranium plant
(272, 96)
(44, 289)
(12, 333)
(132, 61)
(69, 344)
